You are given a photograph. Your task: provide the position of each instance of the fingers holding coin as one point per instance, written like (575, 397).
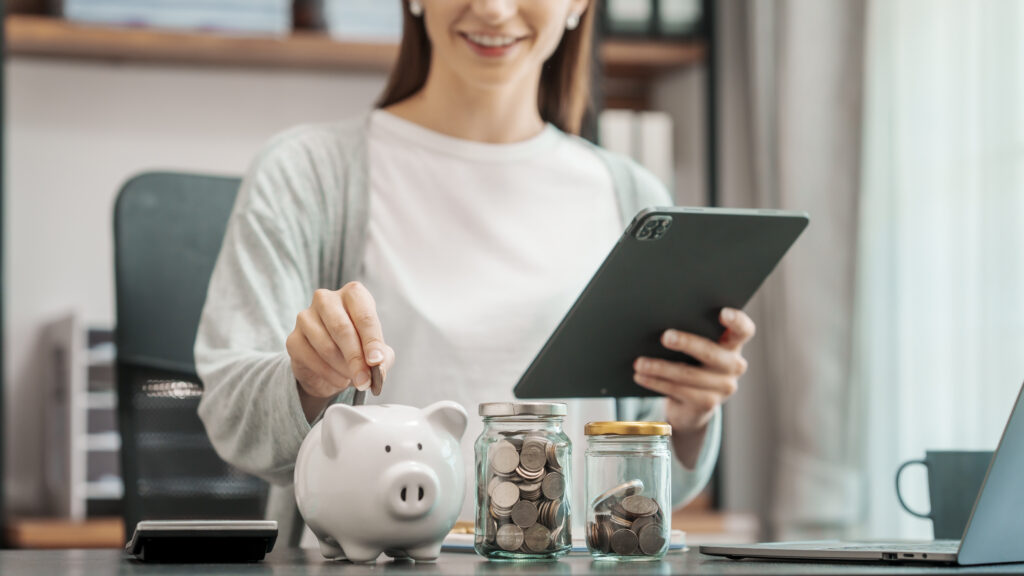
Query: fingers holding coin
(315, 376)
(336, 341)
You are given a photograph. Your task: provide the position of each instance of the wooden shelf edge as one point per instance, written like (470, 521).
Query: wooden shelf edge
(45, 36)
(36, 35)
(627, 58)
(59, 533)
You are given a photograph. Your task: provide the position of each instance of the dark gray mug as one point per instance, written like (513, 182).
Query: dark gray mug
(954, 479)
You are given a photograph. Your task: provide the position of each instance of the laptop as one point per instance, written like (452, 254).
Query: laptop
(993, 534)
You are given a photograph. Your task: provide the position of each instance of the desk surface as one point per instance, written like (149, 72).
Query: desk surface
(285, 562)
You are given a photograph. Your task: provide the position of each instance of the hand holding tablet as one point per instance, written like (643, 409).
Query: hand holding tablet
(673, 269)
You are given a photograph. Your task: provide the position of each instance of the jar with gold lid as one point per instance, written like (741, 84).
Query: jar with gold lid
(628, 490)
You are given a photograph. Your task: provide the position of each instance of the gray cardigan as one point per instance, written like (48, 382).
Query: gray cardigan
(299, 224)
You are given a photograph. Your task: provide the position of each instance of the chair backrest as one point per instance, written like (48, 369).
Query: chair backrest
(168, 229)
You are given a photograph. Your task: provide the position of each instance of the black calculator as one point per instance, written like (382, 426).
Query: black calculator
(202, 541)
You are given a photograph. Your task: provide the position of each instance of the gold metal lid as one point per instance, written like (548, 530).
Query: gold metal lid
(628, 428)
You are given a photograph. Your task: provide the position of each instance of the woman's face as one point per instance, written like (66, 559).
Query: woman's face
(495, 42)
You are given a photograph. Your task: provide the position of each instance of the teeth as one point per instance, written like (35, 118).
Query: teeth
(491, 41)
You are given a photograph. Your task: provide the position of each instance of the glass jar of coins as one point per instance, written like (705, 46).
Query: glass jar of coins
(523, 478)
(629, 490)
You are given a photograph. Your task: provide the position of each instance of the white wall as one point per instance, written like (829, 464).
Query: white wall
(75, 132)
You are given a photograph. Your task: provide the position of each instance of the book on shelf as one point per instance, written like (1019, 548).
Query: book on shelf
(646, 137)
(652, 18)
(363, 20)
(229, 16)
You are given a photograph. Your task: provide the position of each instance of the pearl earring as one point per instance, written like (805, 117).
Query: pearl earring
(416, 8)
(572, 21)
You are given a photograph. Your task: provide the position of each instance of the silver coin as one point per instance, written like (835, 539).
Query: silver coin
(557, 511)
(529, 475)
(624, 542)
(543, 511)
(638, 505)
(552, 455)
(495, 480)
(510, 537)
(560, 511)
(505, 495)
(615, 507)
(607, 529)
(376, 380)
(560, 534)
(593, 536)
(537, 538)
(529, 491)
(620, 491)
(551, 513)
(553, 486)
(533, 457)
(621, 522)
(499, 513)
(524, 514)
(651, 539)
(642, 522)
(504, 457)
(490, 531)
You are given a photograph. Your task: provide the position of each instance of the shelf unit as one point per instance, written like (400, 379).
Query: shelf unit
(636, 62)
(37, 35)
(82, 442)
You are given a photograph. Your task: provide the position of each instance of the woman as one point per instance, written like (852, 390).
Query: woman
(460, 220)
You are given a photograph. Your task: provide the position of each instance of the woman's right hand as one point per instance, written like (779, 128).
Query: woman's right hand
(333, 345)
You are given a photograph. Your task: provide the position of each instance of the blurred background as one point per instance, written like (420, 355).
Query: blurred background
(895, 325)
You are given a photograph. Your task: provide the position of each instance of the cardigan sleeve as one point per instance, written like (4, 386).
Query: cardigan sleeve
(268, 268)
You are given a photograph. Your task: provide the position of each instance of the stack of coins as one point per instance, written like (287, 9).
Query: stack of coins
(627, 523)
(523, 493)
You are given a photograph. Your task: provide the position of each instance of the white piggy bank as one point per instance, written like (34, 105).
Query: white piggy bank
(389, 478)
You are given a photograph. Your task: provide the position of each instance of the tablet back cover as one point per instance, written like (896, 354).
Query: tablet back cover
(706, 260)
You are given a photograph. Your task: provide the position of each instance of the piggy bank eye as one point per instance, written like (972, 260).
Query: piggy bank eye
(420, 446)
(387, 448)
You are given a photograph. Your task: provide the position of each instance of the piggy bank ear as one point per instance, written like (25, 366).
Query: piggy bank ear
(448, 416)
(339, 420)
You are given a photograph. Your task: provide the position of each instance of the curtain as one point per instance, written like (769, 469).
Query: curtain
(940, 297)
(790, 96)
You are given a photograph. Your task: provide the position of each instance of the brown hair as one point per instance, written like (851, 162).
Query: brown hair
(564, 93)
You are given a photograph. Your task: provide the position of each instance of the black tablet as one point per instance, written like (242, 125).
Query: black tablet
(672, 268)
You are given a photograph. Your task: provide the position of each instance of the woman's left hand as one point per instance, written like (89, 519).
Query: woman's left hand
(693, 392)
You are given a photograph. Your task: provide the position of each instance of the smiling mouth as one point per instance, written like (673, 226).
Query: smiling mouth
(491, 42)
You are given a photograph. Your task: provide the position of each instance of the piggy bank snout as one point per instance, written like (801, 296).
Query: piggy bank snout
(410, 490)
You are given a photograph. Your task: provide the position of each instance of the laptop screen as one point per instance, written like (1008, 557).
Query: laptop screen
(996, 527)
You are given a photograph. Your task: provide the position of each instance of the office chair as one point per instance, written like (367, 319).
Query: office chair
(168, 230)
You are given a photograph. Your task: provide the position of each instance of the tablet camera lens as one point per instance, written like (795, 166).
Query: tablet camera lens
(654, 228)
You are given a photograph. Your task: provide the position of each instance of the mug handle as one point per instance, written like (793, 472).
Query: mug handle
(899, 496)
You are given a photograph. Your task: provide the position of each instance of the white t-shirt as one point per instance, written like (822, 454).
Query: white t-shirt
(474, 254)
